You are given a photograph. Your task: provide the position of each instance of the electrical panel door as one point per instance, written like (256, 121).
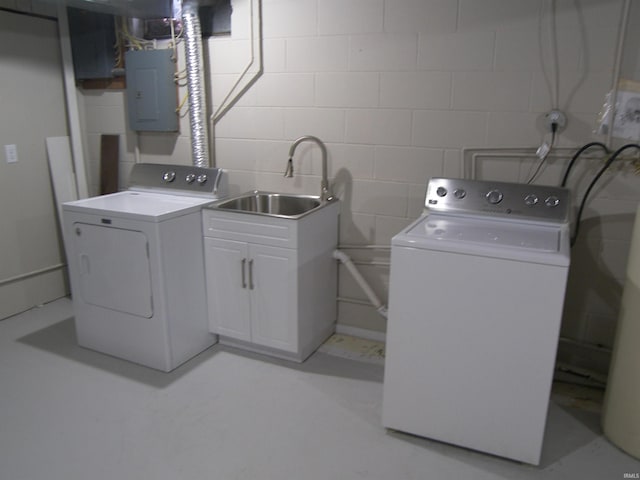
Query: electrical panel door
(152, 96)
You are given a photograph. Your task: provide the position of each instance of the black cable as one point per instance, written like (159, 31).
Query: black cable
(593, 182)
(577, 154)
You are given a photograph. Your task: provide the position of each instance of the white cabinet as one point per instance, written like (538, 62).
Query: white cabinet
(251, 288)
(272, 282)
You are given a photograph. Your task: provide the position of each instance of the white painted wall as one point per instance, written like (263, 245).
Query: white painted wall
(32, 109)
(397, 89)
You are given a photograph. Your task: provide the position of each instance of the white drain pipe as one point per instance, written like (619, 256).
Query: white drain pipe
(373, 298)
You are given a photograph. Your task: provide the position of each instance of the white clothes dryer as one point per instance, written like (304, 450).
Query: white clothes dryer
(136, 265)
(476, 297)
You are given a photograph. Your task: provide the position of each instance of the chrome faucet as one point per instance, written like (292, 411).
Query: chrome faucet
(325, 190)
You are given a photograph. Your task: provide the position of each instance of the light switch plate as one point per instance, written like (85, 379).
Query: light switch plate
(11, 153)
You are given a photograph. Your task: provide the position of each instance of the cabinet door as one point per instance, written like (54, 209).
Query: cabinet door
(228, 288)
(273, 297)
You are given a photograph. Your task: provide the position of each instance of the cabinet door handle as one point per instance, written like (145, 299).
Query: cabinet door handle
(251, 274)
(242, 265)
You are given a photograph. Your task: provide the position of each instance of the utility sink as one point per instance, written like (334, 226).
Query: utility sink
(272, 204)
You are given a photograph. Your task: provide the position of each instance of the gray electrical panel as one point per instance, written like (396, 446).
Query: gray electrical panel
(152, 94)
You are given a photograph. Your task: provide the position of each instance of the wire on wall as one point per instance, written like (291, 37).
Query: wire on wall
(554, 89)
(577, 155)
(595, 179)
(555, 62)
(235, 92)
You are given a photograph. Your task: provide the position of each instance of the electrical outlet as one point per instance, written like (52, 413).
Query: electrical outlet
(557, 117)
(11, 153)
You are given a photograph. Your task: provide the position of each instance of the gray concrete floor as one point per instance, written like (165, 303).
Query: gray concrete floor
(68, 413)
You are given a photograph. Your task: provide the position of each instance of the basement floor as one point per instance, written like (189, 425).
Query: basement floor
(67, 413)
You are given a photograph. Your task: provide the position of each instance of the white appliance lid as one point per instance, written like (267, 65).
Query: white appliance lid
(147, 206)
(547, 244)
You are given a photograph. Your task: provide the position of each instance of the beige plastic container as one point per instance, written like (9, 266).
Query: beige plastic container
(621, 409)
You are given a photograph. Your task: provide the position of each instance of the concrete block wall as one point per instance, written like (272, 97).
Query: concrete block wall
(399, 90)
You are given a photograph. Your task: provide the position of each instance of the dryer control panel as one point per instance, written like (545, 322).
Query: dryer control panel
(520, 201)
(179, 180)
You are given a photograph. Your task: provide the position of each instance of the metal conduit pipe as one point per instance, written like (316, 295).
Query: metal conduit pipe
(195, 83)
(373, 298)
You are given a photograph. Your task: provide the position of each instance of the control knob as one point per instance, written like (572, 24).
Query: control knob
(531, 199)
(552, 201)
(441, 191)
(169, 176)
(202, 178)
(190, 178)
(459, 193)
(494, 197)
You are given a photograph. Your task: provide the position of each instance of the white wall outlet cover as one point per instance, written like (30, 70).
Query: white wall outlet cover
(11, 153)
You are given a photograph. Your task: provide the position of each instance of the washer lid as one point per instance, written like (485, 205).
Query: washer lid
(546, 244)
(146, 206)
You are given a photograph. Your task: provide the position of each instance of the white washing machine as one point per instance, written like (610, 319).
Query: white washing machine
(476, 296)
(136, 264)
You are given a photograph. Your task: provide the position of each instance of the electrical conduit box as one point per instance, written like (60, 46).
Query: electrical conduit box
(152, 95)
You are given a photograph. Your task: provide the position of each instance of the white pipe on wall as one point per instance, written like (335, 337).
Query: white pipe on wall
(24, 276)
(622, 32)
(373, 298)
(474, 154)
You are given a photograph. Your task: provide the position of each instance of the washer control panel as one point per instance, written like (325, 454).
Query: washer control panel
(498, 199)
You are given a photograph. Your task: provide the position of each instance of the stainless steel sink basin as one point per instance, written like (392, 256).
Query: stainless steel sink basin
(271, 204)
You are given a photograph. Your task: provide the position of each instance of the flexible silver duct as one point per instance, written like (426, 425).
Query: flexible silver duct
(195, 83)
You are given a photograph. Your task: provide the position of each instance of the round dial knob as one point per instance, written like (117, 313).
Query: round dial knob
(531, 199)
(201, 179)
(494, 197)
(169, 176)
(441, 191)
(190, 178)
(459, 193)
(552, 201)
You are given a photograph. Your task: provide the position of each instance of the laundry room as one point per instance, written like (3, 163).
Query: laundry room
(207, 282)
